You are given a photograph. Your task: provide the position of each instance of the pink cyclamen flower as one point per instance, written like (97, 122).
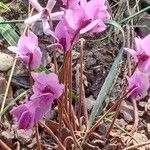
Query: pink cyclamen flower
(46, 85)
(44, 14)
(64, 35)
(88, 16)
(142, 53)
(28, 50)
(46, 89)
(71, 4)
(31, 111)
(138, 85)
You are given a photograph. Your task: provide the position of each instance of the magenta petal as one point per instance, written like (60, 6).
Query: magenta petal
(145, 44)
(144, 66)
(46, 27)
(51, 4)
(140, 82)
(14, 49)
(26, 40)
(24, 59)
(89, 26)
(33, 19)
(57, 15)
(17, 111)
(36, 5)
(36, 58)
(24, 121)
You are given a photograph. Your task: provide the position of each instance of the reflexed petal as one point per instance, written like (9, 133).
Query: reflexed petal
(25, 43)
(144, 66)
(141, 83)
(145, 44)
(57, 45)
(57, 15)
(33, 19)
(46, 27)
(44, 78)
(36, 58)
(25, 120)
(83, 3)
(89, 26)
(17, 111)
(24, 59)
(51, 4)
(36, 5)
(14, 49)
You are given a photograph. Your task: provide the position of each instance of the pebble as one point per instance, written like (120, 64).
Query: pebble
(6, 62)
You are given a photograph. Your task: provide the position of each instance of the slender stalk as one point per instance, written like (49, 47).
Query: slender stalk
(135, 14)
(37, 137)
(8, 85)
(53, 135)
(100, 120)
(118, 109)
(136, 117)
(4, 146)
(80, 101)
(116, 115)
(71, 129)
(122, 129)
(70, 84)
(128, 54)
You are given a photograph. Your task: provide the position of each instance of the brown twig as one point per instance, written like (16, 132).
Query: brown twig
(101, 119)
(4, 146)
(117, 113)
(137, 146)
(53, 135)
(71, 129)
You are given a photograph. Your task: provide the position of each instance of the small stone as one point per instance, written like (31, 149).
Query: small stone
(6, 62)
(7, 137)
(3, 85)
(25, 136)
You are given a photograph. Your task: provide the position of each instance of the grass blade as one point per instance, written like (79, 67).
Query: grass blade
(108, 81)
(8, 33)
(2, 5)
(13, 102)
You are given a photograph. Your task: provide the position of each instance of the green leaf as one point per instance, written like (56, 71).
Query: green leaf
(13, 102)
(108, 81)
(2, 5)
(42, 68)
(8, 33)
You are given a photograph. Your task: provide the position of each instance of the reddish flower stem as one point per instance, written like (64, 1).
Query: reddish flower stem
(37, 137)
(4, 146)
(136, 117)
(53, 135)
(117, 111)
(80, 100)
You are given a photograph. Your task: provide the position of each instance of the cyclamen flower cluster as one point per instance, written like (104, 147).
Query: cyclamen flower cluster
(139, 81)
(79, 17)
(46, 89)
